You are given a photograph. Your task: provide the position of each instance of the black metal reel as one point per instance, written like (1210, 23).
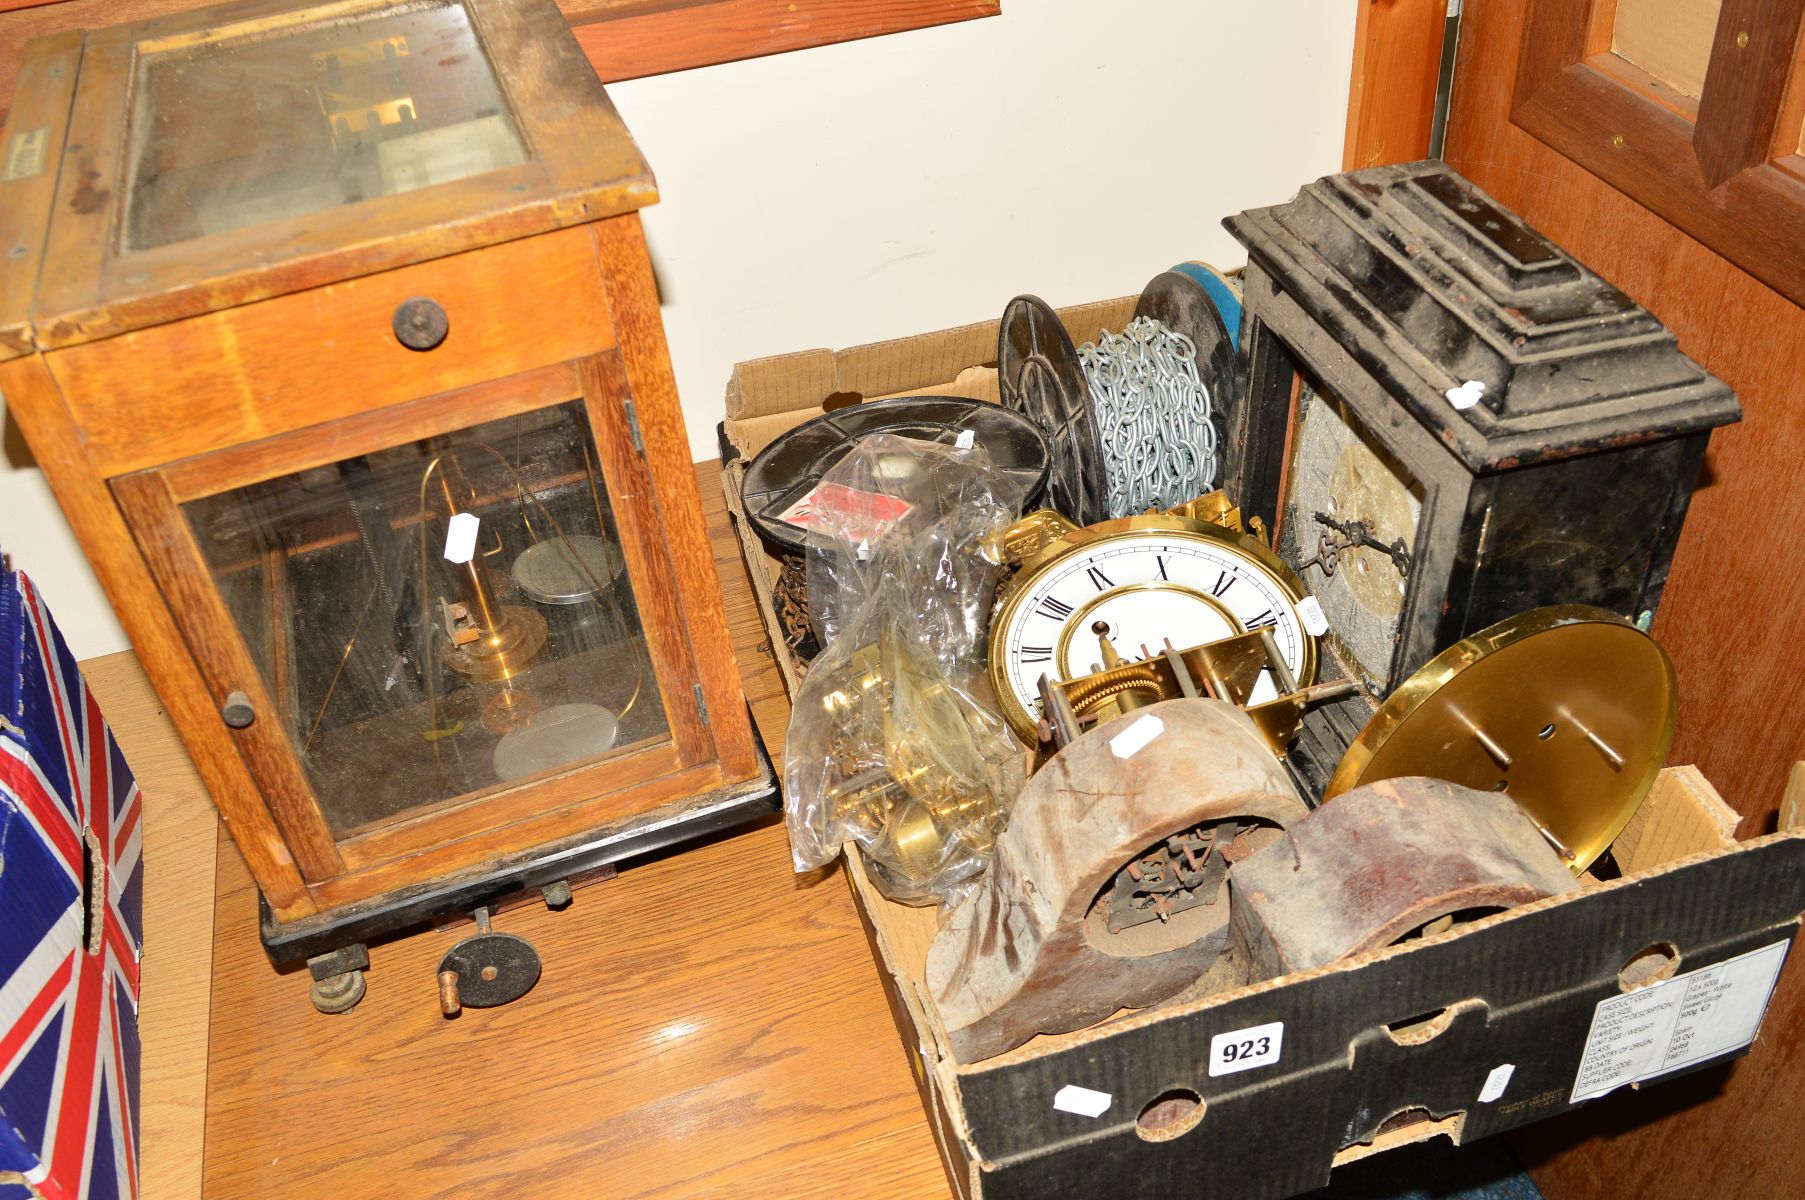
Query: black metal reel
(1040, 376)
(789, 468)
(486, 970)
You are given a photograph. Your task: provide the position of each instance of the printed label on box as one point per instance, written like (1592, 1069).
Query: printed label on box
(1245, 1049)
(1673, 1024)
(846, 512)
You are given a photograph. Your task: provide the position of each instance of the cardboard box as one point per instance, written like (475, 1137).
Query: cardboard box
(770, 396)
(1463, 1035)
(71, 928)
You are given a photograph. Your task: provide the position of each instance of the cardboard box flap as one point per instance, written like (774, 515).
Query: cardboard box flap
(806, 379)
(781, 383)
(1703, 824)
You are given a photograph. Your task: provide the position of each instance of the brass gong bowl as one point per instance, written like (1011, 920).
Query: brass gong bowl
(1569, 709)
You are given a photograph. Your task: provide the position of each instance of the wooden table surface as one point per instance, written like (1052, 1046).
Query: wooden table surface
(707, 1025)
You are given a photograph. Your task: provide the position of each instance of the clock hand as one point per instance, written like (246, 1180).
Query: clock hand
(1360, 533)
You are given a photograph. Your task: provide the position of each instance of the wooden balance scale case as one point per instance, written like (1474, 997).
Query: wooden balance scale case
(282, 289)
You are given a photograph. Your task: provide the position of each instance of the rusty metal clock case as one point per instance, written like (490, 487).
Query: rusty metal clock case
(1496, 428)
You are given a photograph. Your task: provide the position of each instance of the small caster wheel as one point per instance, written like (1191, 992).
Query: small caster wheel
(486, 970)
(337, 993)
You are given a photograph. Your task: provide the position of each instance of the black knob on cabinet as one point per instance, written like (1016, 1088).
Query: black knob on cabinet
(420, 324)
(237, 711)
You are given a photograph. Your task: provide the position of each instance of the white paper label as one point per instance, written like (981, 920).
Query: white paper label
(26, 156)
(1245, 1049)
(1082, 1100)
(1496, 1082)
(460, 537)
(1676, 1023)
(965, 440)
(1310, 610)
(1467, 394)
(1134, 739)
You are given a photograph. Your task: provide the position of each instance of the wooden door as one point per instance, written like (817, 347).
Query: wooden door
(1677, 177)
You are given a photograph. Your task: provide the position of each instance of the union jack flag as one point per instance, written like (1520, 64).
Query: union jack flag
(71, 880)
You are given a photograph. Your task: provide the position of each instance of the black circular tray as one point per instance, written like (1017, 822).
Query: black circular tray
(783, 472)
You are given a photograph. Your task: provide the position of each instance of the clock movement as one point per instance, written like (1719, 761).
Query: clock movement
(1448, 421)
(1134, 583)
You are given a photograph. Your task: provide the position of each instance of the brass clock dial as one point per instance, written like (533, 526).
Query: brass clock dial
(1138, 581)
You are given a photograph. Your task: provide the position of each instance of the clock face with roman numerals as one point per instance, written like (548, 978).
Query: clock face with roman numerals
(1186, 583)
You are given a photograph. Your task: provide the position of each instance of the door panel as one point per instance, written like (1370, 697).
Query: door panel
(1728, 616)
(436, 616)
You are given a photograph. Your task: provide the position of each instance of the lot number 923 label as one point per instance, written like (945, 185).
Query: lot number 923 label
(1244, 1049)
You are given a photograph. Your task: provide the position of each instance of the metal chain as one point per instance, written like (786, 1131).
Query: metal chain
(1153, 417)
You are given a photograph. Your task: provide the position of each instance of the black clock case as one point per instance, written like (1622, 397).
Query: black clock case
(1566, 483)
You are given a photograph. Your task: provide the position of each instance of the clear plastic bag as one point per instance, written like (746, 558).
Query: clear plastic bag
(894, 743)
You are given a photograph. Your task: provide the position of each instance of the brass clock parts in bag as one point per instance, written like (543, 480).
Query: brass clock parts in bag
(922, 821)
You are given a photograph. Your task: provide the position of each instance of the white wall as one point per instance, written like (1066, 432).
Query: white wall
(1072, 148)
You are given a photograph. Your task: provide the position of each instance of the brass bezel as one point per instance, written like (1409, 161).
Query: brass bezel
(1078, 539)
(1420, 690)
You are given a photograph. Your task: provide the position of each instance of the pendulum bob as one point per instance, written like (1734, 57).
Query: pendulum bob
(1032, 950)
(1381, 863)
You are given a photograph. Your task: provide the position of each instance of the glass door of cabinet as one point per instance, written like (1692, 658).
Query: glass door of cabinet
(441, 635)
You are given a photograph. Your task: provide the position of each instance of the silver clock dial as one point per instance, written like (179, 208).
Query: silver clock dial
(1343, 483)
